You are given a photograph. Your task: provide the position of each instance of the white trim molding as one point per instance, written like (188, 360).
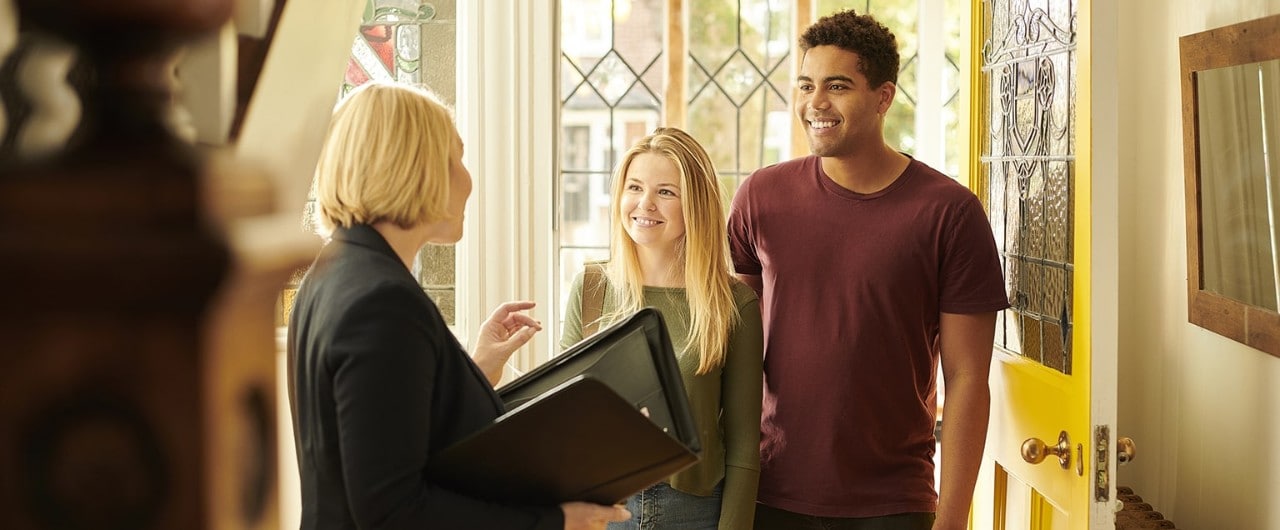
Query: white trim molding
(506, 110)
(1104, 298)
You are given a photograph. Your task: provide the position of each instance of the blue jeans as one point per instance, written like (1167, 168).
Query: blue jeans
(663, 507)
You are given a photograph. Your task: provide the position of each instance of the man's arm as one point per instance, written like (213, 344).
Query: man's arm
(965, 342)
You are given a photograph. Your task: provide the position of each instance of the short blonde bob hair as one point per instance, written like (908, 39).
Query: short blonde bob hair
(385, 158)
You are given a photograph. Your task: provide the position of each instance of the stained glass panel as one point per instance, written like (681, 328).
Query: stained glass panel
(1028, 161)
(389, 43)
(409, 41)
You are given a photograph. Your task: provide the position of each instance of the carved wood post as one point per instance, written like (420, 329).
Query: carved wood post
(109, 417)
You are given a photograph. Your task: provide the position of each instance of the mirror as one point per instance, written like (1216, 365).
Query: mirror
(1240, 181)
(1231, 137)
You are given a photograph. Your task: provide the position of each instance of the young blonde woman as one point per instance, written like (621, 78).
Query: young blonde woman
(669, 251)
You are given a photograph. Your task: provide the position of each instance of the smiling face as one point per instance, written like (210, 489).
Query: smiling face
(840, 111)
(650, 205)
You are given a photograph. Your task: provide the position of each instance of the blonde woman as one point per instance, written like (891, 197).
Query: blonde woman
(378, 384)
(669, 250)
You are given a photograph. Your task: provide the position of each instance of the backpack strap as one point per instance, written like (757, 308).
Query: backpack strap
(592, 297)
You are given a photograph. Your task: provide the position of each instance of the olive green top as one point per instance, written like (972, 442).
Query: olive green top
(725, 401)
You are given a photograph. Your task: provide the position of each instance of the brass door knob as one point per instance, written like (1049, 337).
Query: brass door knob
(1126, 450)
(1034, 450)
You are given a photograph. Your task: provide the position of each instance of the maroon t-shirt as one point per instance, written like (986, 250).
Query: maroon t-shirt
(853, 288)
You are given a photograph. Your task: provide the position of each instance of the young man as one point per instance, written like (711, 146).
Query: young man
(872, 268)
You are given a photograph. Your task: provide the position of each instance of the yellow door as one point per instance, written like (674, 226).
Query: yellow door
(1048, 462)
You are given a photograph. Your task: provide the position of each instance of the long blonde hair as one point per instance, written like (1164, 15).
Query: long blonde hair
(702, 256)
(385, 157)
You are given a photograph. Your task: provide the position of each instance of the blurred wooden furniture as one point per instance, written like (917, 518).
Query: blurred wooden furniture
(138, 366)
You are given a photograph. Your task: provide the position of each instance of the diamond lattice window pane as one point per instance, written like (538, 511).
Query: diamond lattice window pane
(739, 77)
(717, 35)
(713, 121)
(765, 30)
(571, 77)
(612, 77)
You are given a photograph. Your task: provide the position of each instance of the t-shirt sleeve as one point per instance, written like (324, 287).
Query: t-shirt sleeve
(742, 246)
(972, 280)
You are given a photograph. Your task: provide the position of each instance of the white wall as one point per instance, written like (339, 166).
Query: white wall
(1203, 410)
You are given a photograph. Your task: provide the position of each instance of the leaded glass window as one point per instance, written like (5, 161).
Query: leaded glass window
(724, 71)
(739, 79)
(1028, 162)
(611, 92)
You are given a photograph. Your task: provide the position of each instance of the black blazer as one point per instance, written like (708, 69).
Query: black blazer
(377, 386)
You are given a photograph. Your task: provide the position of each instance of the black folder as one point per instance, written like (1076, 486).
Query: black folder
(574, 430)
(579, 441)
(635, 358)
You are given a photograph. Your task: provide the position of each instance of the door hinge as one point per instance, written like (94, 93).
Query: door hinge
(1102, 476)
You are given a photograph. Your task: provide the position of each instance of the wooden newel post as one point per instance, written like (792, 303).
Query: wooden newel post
(109, 417)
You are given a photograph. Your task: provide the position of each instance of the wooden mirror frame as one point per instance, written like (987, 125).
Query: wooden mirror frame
(1247, 42)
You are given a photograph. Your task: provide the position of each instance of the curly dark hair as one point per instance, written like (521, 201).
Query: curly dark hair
(861, 34)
